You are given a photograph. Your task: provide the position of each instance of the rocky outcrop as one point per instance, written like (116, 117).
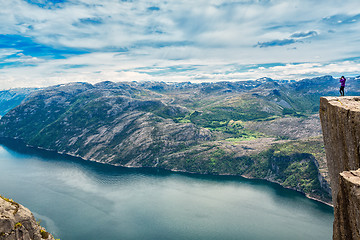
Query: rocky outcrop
(340, 119)
(18, 223)
(348, 207)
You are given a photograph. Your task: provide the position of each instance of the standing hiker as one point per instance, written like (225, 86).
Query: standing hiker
(342, 81)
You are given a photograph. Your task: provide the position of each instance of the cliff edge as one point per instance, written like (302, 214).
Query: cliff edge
(340, 120)
(18, 223)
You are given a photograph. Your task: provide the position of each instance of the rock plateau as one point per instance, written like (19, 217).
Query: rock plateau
(340, 119)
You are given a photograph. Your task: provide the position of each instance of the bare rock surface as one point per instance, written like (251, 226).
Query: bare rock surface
(340, 119)
(348, 214)
(289, 127)
(18, 223)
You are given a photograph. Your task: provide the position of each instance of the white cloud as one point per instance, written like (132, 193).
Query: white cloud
(5, 52)
(205, 36)
(22, 58)
(109, 66)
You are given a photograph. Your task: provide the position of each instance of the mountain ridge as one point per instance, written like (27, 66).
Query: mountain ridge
(225, 128)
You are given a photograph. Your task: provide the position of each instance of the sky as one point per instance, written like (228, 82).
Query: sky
(48, 42)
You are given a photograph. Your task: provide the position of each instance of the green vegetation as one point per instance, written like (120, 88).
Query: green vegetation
(208, 128)
(292, 164)
(185, 119)
(17, 206)
(17, 225)
(219, 114)
(44, 234)
(238, 133)
(292, 112)
(311, 146)
(295, 170)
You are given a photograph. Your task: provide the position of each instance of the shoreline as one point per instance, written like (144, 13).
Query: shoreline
(169, 170)
(305, 194)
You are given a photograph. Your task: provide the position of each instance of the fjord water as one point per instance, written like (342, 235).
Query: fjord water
(77, 200)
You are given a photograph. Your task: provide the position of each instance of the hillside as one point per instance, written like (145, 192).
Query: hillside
(13, 97)
(259, 129)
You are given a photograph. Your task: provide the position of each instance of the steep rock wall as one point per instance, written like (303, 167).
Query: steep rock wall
(340, 120)
(348, 207)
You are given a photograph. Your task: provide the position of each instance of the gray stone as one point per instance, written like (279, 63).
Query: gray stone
(348, 207)
(340, 120)
(18, 223)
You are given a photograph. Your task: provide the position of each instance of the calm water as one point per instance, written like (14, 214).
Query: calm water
(83, 200)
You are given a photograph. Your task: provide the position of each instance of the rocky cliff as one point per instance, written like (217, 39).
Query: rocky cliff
(18, 223)
(348, 203)
(340, 119)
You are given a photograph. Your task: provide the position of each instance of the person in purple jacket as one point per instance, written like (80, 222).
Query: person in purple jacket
(342, 81)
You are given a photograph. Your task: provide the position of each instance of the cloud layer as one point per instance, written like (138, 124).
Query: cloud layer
(49, 42)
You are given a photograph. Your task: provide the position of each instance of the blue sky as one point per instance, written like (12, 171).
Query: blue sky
(46, 42)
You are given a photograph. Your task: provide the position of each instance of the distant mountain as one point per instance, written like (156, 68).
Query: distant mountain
(13, 97)
(259, 129)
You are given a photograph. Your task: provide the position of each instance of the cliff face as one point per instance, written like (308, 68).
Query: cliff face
(17, 222)
(340, 120)
(348, 212)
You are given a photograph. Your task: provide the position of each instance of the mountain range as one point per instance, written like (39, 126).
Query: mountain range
(265, 129)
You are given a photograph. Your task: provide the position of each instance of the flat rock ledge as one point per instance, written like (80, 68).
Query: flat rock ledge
(340, 121)
(18, 223)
